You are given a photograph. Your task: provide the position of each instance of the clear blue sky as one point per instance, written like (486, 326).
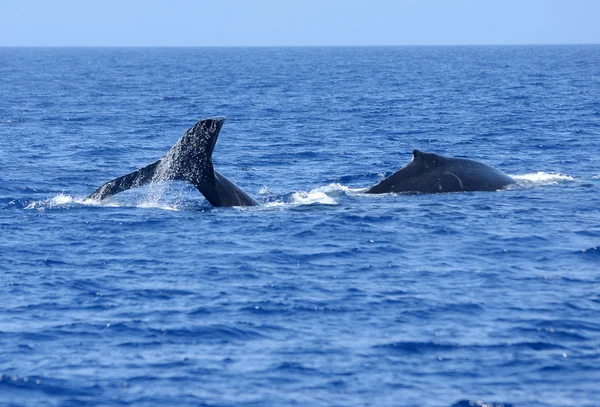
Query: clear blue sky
(296, 22)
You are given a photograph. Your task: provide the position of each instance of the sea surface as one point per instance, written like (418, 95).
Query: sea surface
(321, 295)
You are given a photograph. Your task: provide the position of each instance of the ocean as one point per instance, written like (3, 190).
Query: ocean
(321, 295)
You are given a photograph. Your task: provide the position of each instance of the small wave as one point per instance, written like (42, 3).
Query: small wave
(169, 98)
(295, 367)
(418, 347)
(10, 121)
(479, 403)
(542, 178)
(45, 385)
(590, 252)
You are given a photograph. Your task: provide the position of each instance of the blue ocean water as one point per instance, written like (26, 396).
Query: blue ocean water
(322, 295)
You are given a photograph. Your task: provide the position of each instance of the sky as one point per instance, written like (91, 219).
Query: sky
(297, 22)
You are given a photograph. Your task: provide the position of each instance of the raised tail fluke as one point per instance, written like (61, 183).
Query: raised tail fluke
(190, 160)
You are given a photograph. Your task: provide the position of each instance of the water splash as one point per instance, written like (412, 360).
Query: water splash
(63, 201)
(265, 191)
(312, 197)
(325, 195)
(542, 178)
(59, 201)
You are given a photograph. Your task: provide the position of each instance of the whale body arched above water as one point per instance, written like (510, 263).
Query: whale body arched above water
(433, 173)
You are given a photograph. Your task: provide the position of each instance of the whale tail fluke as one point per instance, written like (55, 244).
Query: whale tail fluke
(135, 179)
(190, 160)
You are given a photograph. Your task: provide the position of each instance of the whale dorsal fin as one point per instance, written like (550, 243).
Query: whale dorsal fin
(417, 154)
(425, 158)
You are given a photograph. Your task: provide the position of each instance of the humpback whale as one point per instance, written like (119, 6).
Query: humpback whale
(433, 173)
(190, 160)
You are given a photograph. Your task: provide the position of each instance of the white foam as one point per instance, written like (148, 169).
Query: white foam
(322, 195)
(264, 190)
(157, 205)
(157, 195)
(542, 178)
(63, 200)
(95, 202)
(54, 202)
(339, 189)
(312, 197)
(325, 195)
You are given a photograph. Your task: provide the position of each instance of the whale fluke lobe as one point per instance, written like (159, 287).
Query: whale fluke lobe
(135, 179)
(433, 173)
(190, 160)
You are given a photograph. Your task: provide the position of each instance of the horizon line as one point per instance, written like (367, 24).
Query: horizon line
(308, 46)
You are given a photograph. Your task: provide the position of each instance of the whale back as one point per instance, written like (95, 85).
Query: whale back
(433, 173)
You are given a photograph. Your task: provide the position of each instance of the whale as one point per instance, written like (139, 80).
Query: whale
(189, 160)
(433, 173)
